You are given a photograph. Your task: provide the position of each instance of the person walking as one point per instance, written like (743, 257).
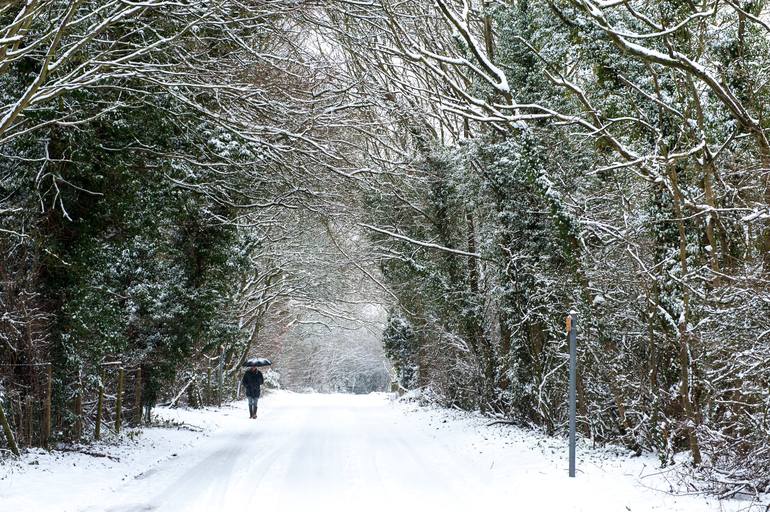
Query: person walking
(252, 380)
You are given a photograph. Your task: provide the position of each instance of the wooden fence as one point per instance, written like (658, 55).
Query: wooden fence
(36, 407)
(39, 406)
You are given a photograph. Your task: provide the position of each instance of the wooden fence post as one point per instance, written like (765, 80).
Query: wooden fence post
(79, 411)
(28, 426)
(209, 392)
(99, 406)
(22, 421)
(47, 408)
(138, 396)
(8, 431)
(119, 400)
(220, 375)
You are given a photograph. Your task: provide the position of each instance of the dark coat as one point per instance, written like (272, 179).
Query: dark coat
(251, 382)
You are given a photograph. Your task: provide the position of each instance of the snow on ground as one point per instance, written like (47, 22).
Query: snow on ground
(341, 452)
(51, 481)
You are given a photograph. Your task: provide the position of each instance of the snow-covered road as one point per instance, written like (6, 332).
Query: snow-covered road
(344, 453)
(320, 451)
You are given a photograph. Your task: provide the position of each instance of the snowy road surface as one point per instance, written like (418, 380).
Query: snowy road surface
(306, 450)
(344, 452)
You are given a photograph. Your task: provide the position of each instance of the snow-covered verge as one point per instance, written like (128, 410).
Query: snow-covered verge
(62, 480)
(344, 452)
(535, 467)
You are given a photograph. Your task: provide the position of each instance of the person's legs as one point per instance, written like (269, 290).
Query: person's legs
(256, 402)
(252, 407)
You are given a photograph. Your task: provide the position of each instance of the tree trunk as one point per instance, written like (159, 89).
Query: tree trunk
(8, 432)
(685, 361)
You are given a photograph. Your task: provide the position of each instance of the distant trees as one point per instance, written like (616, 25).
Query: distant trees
(323, 328)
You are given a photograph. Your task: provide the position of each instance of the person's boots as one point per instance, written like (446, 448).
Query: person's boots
(255, 412)
(251, 411)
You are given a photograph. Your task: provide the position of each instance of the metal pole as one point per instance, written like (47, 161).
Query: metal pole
(572, 332)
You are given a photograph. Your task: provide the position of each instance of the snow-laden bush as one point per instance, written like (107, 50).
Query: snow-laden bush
(272, 379)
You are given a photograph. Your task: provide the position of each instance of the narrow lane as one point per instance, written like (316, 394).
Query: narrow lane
(321, 451)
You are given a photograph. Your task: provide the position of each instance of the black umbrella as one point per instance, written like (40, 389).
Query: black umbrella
(257, 361)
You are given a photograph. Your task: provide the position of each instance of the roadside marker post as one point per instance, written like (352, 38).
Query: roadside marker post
(572, 335)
